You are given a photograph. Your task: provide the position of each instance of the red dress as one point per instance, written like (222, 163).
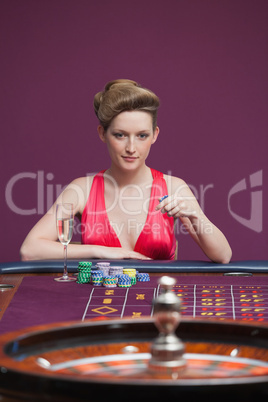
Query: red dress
(156, 240)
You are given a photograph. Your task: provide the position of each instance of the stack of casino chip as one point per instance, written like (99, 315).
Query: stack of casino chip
(109, 276)
(96, 277)
(104, 267)
(132, 274)
(129, 271)
(84, 272)
(143, 277)
(124, 281)
(116, 271)
(109, 281)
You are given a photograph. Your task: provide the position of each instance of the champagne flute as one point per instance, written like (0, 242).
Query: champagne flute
(64, 222)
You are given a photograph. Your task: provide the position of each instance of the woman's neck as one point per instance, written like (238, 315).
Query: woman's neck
(135, 177)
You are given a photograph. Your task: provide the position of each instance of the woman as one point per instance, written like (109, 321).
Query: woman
(125, 213)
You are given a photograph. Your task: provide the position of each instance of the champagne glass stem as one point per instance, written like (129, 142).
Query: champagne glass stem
(65, 272)
(64, 225)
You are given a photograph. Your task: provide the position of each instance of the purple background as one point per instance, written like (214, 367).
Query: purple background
(206, 59)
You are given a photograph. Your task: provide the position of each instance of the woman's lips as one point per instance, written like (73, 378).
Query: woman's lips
(129, 158)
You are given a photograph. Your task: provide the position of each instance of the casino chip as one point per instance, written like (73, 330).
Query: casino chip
(130, 272)
(96, 277)
(84, 264)
(116, 271)
(162, 198)
(124, 281)
(107, 276)
(103, 264)
(84, 272)
(104, 267)
(143, 277)
(110, 281)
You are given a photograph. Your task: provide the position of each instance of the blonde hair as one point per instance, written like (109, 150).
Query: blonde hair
(124, 95)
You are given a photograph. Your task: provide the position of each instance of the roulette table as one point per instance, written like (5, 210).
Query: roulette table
(79, 342)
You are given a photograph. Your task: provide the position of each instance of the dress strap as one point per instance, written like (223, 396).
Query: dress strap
(156, 174)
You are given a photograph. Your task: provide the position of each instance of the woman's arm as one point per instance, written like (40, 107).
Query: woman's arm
(183, 204)
(41, 249)
(42, 241)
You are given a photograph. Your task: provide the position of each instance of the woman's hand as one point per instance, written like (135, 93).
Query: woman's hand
(180, 207)
(118, 253)
(181, 203)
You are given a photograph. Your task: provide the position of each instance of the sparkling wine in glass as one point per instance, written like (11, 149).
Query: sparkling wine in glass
(64, 222)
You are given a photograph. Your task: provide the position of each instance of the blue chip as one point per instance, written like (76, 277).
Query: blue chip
(124, 281)
(162, 198)
(143, 277)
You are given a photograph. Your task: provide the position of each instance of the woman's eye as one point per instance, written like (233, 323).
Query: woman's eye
(143, 136)
(118, 135)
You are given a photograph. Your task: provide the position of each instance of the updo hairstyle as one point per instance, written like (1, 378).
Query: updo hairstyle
(124, 95)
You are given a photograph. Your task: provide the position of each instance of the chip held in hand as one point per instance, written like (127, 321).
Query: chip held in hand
(162, 198)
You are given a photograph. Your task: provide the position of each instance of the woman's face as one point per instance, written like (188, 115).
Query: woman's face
(129, 138)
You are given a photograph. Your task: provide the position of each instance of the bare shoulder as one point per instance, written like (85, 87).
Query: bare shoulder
(82, 182)
(78, 191)
(176, 185)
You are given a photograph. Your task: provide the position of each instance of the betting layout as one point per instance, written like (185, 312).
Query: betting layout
(241, 302)
(223, 299)
(220, 301)
(132, 302)
(205, 297)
